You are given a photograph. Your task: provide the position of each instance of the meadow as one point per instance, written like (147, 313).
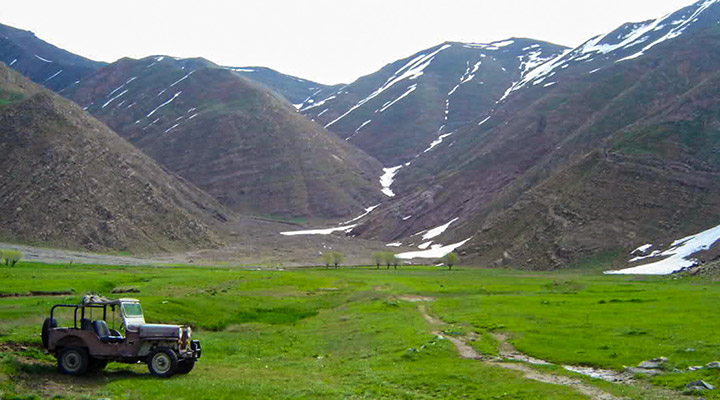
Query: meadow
(351, 333)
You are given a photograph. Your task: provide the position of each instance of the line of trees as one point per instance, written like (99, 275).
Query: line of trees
(11, 257)
(335, 258)
(386, 258)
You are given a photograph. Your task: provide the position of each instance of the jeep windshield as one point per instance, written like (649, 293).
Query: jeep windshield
(132, 310)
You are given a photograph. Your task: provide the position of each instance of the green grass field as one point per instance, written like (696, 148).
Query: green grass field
(317, 333)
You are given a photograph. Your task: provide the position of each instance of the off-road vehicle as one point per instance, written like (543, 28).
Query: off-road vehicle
(89, 344)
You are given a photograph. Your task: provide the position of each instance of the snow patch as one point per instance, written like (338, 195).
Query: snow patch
(642, 249)
(42, 59)
(387, 179)
(411, 89)
(53, 75)
(411, 71)
(113, 99)
(436, 251)
(121, 86)
(367, 211)
(361, 126)
(319, 103)
(435, 232)
(437, 141)
(678, 255)
(327, 231)
(171, 128)
(182, 79)
(164, 104)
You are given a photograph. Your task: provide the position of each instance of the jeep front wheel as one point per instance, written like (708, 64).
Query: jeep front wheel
(73, 360)
(162, 363)
(186, 365)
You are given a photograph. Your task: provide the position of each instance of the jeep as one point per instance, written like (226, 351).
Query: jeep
(89, 344)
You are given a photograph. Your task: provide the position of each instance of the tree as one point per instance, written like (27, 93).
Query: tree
(396, 260)
(338, 258)
(450, 259)
(327, 258)
(378, 259)
(389, 258)
(11, 257)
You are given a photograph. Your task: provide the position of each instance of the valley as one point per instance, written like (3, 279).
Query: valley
(361, 332)
(515, 219)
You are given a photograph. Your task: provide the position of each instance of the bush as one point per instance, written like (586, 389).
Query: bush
(11, 257)
(450, 259)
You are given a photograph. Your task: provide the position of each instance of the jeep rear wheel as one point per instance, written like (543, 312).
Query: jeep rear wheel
(73, 360)
(163, 363)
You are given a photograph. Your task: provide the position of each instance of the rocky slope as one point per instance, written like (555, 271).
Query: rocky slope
(232, 137)
(42, 62)
(69, 181)
(604, 148)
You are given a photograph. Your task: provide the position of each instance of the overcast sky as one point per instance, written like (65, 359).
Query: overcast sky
(329, 41)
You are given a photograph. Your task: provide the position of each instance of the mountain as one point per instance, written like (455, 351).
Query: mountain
(296, 90)
(69, 181)
(232, 137)
(42, 62)
(604, 148)
(399, 111)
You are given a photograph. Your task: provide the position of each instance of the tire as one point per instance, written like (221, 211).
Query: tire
(73, 360)
(163, 363)
(186, 365)
(97, 364)
(48, 324)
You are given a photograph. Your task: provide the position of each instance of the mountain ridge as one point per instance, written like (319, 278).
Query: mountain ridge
(231, 136)
(43, 62)
(71, 181)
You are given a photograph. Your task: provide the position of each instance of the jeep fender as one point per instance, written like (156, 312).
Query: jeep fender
(70, 341)
(148, 346)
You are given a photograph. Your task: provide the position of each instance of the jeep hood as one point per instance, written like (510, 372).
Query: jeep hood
(158, 330)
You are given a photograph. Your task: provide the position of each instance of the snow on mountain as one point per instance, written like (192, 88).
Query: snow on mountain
(678, 257)
(628, 42)
(408, 107)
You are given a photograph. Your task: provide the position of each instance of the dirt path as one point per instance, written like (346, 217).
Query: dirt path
(40, 254)
(508, 352)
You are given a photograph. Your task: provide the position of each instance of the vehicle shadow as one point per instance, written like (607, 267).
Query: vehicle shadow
(49, 370)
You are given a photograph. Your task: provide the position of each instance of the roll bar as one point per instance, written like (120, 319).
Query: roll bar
(82, 310)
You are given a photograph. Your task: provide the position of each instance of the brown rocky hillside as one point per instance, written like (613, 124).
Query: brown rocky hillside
(233, 138)
(69, 181)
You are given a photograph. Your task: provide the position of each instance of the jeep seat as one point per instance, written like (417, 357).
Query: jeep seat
(86, 324)
(103, 332)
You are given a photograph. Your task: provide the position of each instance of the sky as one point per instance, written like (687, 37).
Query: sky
(328, 41)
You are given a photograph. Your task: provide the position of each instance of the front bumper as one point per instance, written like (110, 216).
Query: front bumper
(196, 348)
